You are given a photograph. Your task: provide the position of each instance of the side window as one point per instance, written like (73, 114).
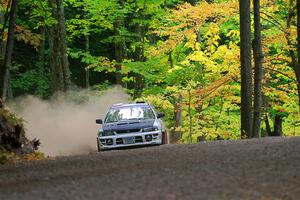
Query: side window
(113, 116)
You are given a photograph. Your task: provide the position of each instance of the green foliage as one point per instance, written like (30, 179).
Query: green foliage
(214, 112)
(37, 13)
(92, 16)
(162, 104)
(11, 117)
(101, 87)
(4, 157)
(10, 157)
(170, 48)
(154, 71)
(83, 56)
(31, 82)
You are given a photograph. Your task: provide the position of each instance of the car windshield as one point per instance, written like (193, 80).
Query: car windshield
(129, 113)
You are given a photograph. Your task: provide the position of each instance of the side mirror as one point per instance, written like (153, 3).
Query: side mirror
(160, 115)
(99, 121)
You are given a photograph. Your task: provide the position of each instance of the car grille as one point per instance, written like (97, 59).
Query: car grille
(119, 141)
(128, 131)
(137, 139)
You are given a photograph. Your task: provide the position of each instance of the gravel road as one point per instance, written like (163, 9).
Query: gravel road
(260, 169)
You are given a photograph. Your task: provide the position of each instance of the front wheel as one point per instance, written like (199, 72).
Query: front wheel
(164, 137)
(98, 147)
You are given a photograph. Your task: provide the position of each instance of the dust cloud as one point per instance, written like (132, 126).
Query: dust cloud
(66, 125)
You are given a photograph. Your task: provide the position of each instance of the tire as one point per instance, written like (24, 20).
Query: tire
(98, 148)
(164, 137)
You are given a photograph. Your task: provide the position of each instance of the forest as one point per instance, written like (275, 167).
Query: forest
(218, 69)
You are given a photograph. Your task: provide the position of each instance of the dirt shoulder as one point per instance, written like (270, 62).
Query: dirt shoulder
(266, 168)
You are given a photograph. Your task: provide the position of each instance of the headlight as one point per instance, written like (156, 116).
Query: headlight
(100, 133)
(107, 133)
(150, 129)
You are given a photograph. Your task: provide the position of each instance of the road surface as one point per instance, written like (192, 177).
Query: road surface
(262, 169)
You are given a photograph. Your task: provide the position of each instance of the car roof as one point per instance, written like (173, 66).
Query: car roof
(120, 105)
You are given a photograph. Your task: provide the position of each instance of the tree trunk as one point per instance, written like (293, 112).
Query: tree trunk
(190, 118)
(295, 61)
(41, 63)
(175, 135)
(297, 68)
(192, 2)
(9, 88)
(171, 59)
(268, 127)
(298, 88)
(246, 70)
(9, 50)
(2, 43)
(139, 56)
(277, 126)
(198, 36)
(4, 18)
(60, 72)
(258, 70)
(56, 70)
(119, 43)
(87, 72)
(63, 46)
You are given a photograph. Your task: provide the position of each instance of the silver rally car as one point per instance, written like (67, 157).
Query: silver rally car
(131, 125)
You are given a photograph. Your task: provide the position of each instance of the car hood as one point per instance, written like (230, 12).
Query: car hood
(127, 125)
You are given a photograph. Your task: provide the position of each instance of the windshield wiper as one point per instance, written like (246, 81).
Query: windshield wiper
(135, 118)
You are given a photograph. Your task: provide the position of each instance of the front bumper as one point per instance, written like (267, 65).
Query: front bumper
(131, 139)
